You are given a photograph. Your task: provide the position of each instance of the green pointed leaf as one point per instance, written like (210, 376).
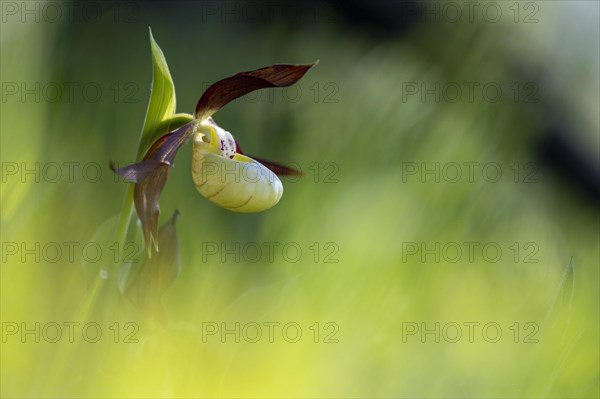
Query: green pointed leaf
(162, 100)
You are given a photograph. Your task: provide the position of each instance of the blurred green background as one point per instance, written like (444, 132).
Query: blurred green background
(378, 233)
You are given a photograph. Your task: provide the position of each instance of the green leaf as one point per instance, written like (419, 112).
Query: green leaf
(162, 100)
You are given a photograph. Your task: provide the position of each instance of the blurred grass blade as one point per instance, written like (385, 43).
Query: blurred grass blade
(562, 301)
(157, 273)
(104, 237)
(162, 100)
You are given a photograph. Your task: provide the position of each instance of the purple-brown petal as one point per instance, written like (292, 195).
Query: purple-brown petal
(150, 176)
(145, 197)
(228, 89)
(136, 172)
(170, 143)
(277, 168)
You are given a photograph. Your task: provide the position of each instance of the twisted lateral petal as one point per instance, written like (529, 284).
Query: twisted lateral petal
(165, 148)
(228, 89)
(145, 197)
(277, 168)
(150, 176)
(136, 172)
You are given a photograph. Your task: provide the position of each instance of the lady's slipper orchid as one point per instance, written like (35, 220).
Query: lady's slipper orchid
(215, 152)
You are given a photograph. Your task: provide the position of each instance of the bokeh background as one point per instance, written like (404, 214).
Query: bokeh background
(378, 292)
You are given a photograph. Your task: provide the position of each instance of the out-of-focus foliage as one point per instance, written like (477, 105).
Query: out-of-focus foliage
(355, 132)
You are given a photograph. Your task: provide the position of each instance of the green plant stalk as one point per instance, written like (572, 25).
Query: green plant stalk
(160, 119)
(125, 219)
